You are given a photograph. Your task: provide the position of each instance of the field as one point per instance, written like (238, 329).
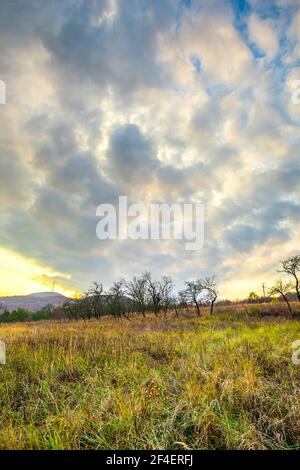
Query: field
(221, 382)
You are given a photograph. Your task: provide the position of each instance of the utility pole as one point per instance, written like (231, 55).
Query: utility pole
(53, 285)
(264, 292)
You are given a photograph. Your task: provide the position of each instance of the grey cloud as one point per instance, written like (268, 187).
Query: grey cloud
(14, 178)
(245, 238)
(67, 168)
(131, 157)
(119, 53)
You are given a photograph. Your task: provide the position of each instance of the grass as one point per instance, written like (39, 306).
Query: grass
(225, 382)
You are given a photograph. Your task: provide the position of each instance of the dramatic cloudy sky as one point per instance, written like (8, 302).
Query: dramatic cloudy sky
(160, 100)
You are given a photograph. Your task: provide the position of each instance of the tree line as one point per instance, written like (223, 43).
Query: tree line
(144, 294)
(140, 295)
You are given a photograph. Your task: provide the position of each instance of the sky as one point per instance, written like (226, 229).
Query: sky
(160, 100)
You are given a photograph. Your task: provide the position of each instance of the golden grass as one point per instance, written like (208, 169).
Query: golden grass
(225, 382)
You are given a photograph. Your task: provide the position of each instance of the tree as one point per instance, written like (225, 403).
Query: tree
(173, 303)
(4, 314)
(158, 291)
(44, 314)
(136, 290)
(117, 300)
(182, 300)
(3, 309)
(291, 266)
(210, 286)
(19, 315)
(193, 291)
(253, 296)
(283, 289)
(94, 300)
(75, 308)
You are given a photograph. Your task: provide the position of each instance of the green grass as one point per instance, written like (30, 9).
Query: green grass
(225, 382)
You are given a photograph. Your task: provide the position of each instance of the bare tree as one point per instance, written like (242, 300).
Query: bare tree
(291, 266)
(182, 301)
(169, 302)
(117, 300)
(136, 290)
(158, 291)
(178, 303)
(283, 289)
(210, 286)
(75, 308)
(94, 300)
(193, 292)
(173, 303)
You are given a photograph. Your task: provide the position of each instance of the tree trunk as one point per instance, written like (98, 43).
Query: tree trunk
(288, 304)
(297, 288)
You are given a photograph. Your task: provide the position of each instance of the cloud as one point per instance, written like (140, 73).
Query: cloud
(160, 101)
(118, 50)
(131, 156)
(264, 34)
(208, 32)
(293, 35)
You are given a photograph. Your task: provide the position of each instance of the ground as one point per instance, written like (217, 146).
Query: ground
(221, 382)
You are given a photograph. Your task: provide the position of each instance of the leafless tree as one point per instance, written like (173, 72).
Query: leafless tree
(75, 309)
(117, 300)
(136, 290)
(283, 289)
(178, 303)
(182, 301)
(209, 285)
(173, 304)
(158, 291)
(193, 292)
(291, 266)
(94, 300)
(169, 302)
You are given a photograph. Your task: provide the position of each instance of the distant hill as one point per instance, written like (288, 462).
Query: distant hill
(33, 302)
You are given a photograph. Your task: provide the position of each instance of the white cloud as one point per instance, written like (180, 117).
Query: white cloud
(265, 35)
(293, 35)
(209, 33)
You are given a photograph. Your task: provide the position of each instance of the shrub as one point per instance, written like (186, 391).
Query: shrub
(20, 314)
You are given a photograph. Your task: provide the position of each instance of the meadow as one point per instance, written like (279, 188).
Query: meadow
(225, 381)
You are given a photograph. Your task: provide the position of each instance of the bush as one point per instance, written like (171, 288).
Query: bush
(20, 315)
(255, 311)
(44, 314)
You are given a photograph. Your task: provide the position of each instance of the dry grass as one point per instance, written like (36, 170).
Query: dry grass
(225, 382)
